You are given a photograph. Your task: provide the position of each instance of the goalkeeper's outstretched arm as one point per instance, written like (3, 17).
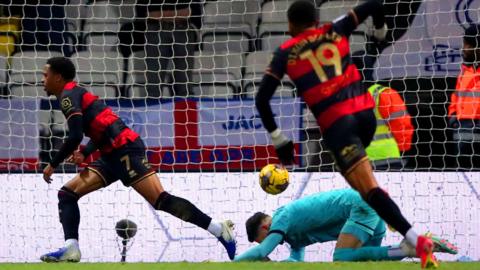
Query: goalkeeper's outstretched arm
(261, 251)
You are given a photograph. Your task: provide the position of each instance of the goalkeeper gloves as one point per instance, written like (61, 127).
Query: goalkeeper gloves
(283, 147)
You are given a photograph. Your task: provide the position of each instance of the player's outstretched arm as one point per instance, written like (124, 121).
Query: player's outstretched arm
(283, 146)
(370, 8)
(261, 251)
(348, 23)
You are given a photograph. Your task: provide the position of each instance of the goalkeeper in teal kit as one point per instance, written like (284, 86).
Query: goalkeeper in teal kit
(338, 215)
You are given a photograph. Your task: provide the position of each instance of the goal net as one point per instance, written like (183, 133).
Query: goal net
(184, 77)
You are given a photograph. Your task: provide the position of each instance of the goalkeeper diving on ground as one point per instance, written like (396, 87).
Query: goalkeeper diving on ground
(338, 215)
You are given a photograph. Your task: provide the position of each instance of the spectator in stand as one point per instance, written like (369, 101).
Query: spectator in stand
(169, 37)
(394, 132)
(464, 109)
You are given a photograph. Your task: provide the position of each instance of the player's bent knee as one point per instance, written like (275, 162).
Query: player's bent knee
(162, 201)
(343, 255)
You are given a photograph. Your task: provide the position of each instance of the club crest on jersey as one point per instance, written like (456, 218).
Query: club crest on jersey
(349, 152)
(66, 104)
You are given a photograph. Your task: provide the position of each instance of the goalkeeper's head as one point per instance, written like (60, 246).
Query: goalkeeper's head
(258, 227)
(471, 45)
(302, 14)
(56, 74)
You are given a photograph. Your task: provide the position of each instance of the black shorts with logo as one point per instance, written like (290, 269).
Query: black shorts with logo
(128, 163)
(348, 137)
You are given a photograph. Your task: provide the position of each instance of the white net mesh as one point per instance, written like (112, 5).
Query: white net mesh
(214, 56)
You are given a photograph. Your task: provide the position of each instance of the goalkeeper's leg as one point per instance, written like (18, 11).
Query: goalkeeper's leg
(361, 238)
(68, 196)
(151, 189)
(383, 253)
(350, 248)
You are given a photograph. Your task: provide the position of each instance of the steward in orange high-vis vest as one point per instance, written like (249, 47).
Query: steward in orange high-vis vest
(394, 129)
(464, 109)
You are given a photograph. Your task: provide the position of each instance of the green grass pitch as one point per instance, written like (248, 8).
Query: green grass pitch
(239, 266)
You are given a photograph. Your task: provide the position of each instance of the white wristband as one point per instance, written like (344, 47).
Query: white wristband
(278, 139)
(381, 33)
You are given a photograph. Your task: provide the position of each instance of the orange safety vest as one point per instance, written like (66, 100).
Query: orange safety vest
(465, 101)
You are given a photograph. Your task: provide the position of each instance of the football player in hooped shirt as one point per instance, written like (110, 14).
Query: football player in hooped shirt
(122, 157)
(317, 59)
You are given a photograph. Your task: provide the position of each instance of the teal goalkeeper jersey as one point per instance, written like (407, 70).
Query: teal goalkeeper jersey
(318, 218)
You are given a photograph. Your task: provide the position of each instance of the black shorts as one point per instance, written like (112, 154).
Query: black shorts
(348, 137)
(128, 163)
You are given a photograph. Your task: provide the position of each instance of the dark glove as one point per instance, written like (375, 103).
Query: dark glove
(285, 153)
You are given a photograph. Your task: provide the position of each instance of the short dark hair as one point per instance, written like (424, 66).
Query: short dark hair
(252, 225)
(63, 66)
(302, 13)
(472, 35)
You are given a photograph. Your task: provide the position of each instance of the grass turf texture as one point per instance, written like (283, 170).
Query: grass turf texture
(238, 266)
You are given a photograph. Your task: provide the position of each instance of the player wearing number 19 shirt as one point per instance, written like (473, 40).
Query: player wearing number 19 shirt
(318, 61)
(122, 157)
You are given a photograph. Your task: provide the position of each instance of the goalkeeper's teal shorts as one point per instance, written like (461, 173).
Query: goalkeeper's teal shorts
(366, 225)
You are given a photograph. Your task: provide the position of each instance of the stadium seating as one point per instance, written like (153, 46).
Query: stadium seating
(331, 10)
(101, 41)
(270, 41)
(219, 42)
(136, 77)
(228, 31)
(216, 75)
(52, 123)
(229, 26)
(26, 73)
(275, 12)
(273, 20)
(74, 12)
(101, 71)
(255, 63)
(3, 70)
(357, 42)
(102, 16)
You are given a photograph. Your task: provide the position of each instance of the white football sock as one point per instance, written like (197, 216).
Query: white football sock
(396, 252)
(412, 237)
(71, 243)
(215, 228)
